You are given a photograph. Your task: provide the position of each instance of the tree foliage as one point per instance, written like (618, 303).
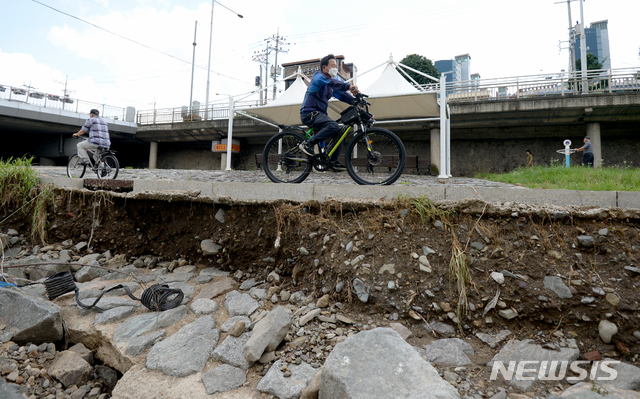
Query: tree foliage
(422, 64)
(592, 63)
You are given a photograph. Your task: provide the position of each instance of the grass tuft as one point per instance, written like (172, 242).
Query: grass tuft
(20, 192)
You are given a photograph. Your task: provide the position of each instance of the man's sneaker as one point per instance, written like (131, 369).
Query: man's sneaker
(84, 162)
(337, 166)
(309, 148)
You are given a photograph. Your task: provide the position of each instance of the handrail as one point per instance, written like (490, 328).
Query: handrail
(55, 101)
(514, 87)
(559, 84)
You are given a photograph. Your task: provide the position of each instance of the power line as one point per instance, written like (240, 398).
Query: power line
(131, 40)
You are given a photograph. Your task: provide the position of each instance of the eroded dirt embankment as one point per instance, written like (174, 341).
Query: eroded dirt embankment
(321, 248)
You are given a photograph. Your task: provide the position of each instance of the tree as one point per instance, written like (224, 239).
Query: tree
(592, 63)
(422, 64)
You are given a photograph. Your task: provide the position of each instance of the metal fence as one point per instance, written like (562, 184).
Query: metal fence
(60, 102)
(184, 114)
(561, 84)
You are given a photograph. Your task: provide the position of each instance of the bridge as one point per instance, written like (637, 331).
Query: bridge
(492, 122)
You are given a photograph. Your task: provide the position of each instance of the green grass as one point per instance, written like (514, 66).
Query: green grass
(20, 191)
(17, 178)
(573, 178)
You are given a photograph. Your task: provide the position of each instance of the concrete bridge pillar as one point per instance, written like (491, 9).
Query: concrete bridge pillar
(593, 131)
(436, 160)
(153, 155)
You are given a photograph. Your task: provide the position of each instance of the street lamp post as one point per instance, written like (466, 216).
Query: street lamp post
(193, 63)
(209, 66)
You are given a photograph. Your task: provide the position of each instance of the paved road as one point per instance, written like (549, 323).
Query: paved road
(257, 176)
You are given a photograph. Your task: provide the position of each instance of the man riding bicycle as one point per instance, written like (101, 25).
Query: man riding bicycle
(98, 136)
(325, 84)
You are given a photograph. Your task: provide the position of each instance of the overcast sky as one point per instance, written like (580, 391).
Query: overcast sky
(137, 52)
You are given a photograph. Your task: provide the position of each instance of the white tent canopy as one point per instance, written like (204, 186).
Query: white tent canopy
(391, 96)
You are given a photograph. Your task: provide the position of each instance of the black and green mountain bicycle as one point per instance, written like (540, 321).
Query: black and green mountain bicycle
(374, 156)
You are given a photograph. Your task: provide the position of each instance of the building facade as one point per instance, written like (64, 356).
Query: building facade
(444, 66)
(309, 67)
(464, 61)
(597, 43)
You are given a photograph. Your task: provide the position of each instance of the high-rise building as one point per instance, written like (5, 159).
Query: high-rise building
(465, 68)
(452, 66)
(597, 39)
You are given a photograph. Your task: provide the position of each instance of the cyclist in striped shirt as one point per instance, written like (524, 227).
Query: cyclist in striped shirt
(98, 135)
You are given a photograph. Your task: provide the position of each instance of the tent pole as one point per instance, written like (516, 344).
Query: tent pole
(444, 174)
(230, 133)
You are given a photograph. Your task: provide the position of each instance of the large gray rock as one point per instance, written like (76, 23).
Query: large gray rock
(115, 314)
(140, 344)
(9, 391)
(592, 390)
(267, 333)
(49, 270)
(140, 325)
(222, 286)
(555, 284)
(526, 350)
(88, 273)
(223, 378)
(203, 306)
(238, 304)
(30, 318)
(231, 351)
(229, 323)
(70, 369)
(452, 351)
(628, 376)
(187, 351)
(275, 383)
(393, 370)
(176, 277)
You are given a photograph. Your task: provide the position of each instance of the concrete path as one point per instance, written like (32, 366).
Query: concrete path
(253, 185)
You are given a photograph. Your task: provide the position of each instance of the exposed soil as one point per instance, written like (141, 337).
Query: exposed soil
(315, 246)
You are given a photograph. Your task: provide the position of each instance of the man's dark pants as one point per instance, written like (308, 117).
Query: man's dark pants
(325, 127)
(587, 159)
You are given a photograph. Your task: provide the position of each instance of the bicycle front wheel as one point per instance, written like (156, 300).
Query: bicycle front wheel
(283, 161)
(375, 157)
(108, 167)
(74, 169)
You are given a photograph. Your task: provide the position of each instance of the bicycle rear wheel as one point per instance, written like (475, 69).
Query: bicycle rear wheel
(108, 167)
(381, 162)
(283, 161)
(74, 169)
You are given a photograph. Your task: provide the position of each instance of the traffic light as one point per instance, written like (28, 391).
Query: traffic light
(258, 80)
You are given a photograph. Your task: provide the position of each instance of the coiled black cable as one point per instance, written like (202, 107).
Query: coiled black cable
(157, 297)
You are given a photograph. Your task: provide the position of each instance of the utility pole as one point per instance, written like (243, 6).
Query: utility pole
(263, 58)
(273, 44)
(278, 40)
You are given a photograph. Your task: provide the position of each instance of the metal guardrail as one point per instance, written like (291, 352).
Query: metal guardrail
(560, 84)
(183, 114)
(54, 101)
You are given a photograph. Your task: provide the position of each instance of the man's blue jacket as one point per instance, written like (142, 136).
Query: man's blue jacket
(321, 89)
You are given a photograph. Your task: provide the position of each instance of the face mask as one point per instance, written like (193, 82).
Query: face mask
(333, 72)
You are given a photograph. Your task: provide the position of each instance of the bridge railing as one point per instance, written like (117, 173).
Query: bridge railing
(184, 114)
(55, 101)
(560, 84)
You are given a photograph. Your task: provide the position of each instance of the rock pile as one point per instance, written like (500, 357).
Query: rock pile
(249, 334)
